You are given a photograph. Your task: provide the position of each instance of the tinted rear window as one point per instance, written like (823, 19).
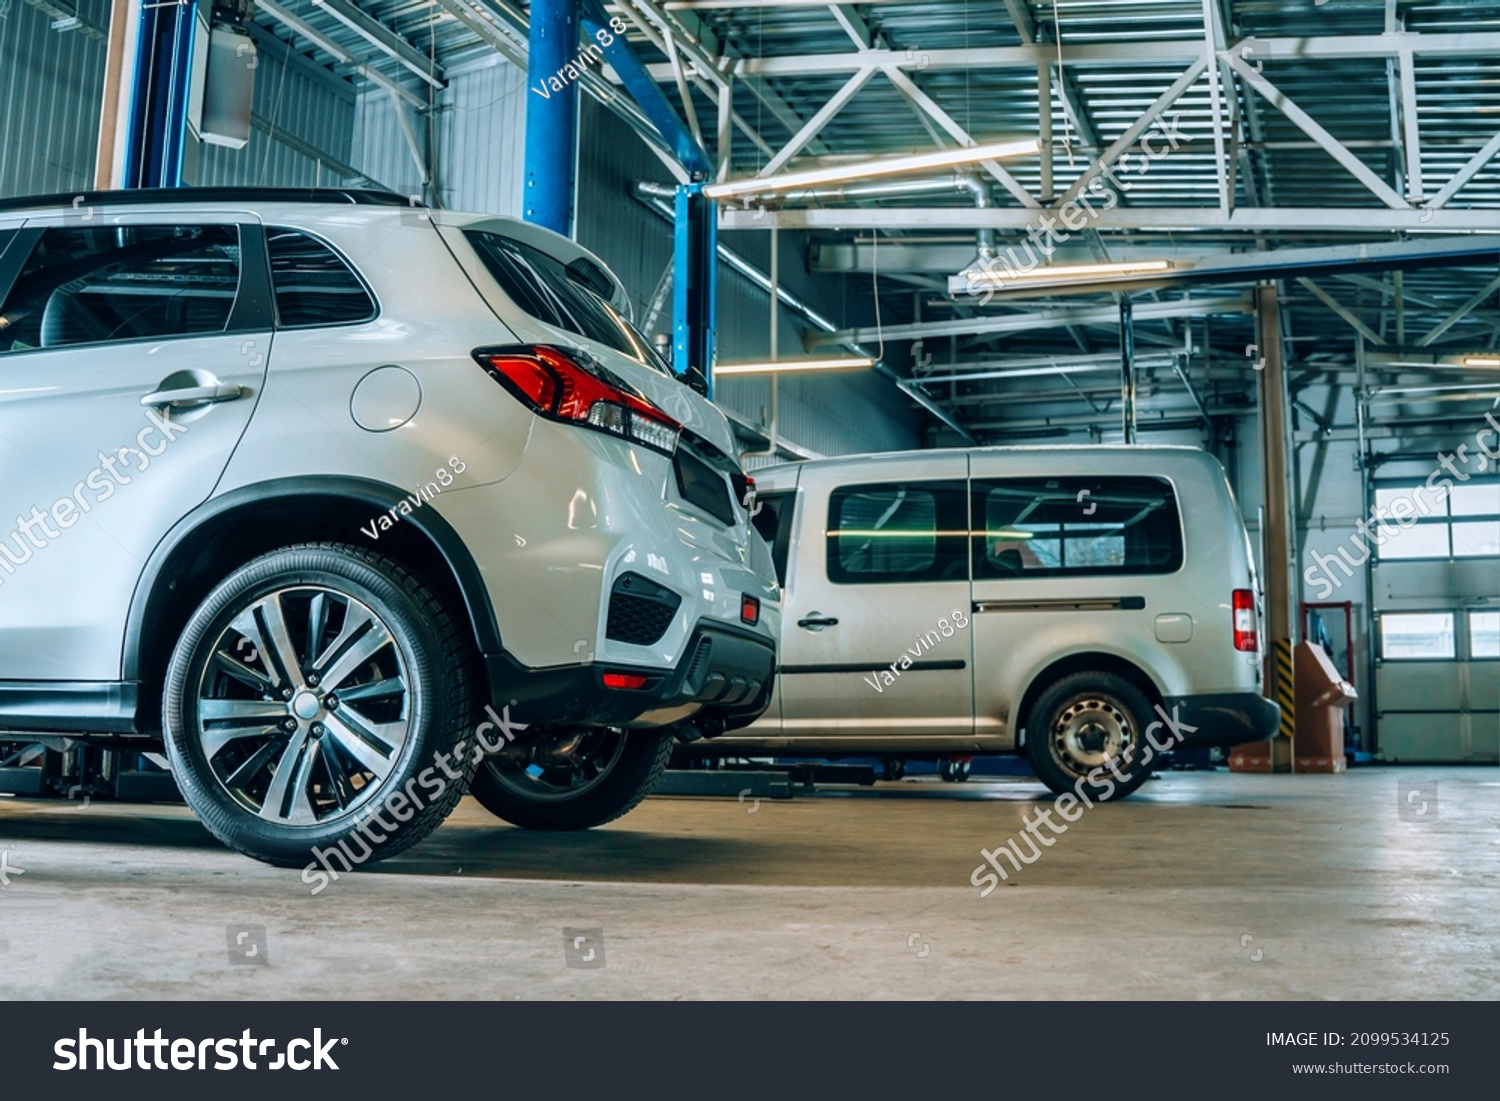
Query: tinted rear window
(540, 285)
(315, 286)
(1054, 527)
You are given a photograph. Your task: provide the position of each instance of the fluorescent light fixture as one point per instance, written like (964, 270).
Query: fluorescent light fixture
(848, 363)
(1482, 361)
(1065, 274)
(859, 170)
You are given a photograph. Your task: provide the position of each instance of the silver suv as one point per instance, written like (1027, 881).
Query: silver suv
(354, 507)
(1091, 607)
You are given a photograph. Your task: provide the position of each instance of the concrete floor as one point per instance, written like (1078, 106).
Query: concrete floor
(1204, 885)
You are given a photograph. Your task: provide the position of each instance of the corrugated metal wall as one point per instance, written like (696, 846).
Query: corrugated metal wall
(482, 133)
(51, 86)
(481, 126)
(315, 111)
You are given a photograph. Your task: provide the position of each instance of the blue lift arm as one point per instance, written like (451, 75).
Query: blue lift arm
(157, 131)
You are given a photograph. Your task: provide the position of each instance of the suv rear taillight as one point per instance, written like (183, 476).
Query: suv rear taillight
(571, 387)
(1246, 624)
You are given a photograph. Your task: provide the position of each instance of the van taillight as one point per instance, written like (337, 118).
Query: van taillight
(744, 489)
(571, 387)
(1246, 626)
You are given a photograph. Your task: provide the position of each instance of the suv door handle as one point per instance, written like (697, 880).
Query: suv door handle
(817, 621)
(194, 395)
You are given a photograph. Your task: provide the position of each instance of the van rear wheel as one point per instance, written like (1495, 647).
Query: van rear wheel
(1086, 735)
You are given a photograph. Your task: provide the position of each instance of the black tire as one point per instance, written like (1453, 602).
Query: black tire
(954, 772)
(1082, 721)
(354, 622)
(571, 778)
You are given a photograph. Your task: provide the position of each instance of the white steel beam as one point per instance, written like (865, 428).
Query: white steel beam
(853, 23)
(1309, 126)
(1466, 173)
(909, 88)
(1415, 191)
(1482, 44)
(329, 46)
(1459, 314)
(1256, 219)
(1338, 307)
(1138, 127)
(385, 40)
(814, 126)
(1056, 318)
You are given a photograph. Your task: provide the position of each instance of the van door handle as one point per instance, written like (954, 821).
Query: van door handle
(193, 395)
(817, 621)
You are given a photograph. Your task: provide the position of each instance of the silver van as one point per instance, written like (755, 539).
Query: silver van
(1091, 607)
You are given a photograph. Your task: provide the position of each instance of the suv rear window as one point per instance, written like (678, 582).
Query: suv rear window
(540, 285)
(315, 286)
(1056, 527)
(117, 283)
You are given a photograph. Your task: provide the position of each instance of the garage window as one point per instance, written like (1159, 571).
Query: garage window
(1484, 634)
(1084, 527)
(120, 283)
(1417, 636)
(315, 286)
(892, 533)
(1463, 524)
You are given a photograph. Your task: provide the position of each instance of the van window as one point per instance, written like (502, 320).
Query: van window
(1053, 527)
(773, 521)
(540, 285)
(315, 286)
(896, 532)
(117, 283)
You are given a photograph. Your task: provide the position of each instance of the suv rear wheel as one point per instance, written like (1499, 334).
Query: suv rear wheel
(571, 778)
(309, 688)
(1080, 725)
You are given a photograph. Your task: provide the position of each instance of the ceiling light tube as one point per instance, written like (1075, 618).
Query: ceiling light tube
(847, 363)
(859, 170)
(1482, 361)
(1066, 273)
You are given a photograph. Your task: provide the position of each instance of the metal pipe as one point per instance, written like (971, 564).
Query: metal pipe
(771, 448)
(654, 195)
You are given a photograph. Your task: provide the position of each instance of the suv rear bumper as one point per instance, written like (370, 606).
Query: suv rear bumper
(724, 669)
(1223, 718)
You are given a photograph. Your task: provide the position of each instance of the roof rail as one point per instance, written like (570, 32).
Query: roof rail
(167, 195)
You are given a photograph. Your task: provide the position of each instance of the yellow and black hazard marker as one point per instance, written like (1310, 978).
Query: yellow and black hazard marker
(1285, 686)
